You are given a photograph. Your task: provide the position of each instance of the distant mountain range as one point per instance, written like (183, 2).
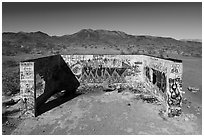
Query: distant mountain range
(35, 42)
(196, 40)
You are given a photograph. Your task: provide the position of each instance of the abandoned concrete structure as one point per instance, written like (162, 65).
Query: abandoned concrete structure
(41, 78)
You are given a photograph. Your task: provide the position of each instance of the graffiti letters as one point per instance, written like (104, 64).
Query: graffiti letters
(175, 68)
(127, 70)
(97, 68)
(27, 86)
(174, 97)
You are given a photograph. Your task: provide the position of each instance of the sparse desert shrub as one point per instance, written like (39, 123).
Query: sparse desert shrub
(122, 52)
(8, 52)
(161, 54)
(10, 63)
(64, 46)
(43, 45)
(10, 82)
(24, 50)
(134, 53)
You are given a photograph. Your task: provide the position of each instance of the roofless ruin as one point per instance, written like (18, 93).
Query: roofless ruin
(43, 77)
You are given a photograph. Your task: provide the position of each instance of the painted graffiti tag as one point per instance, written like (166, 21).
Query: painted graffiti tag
(174, 97)
(129, 70)
(175, 68)
(27, 86)
(97, 68)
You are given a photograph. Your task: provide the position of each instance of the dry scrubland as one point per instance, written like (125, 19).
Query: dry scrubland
(97, 112)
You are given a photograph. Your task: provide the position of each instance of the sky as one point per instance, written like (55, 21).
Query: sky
(176, 20)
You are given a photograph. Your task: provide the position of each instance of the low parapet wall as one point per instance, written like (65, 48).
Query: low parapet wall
(161, 77)
(113, 69)
(166, 76)
(47, 76)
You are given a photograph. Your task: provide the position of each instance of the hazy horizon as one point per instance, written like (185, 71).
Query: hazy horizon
(176, 20)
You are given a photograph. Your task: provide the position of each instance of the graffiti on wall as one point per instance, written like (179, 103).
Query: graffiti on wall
(159, 72)
(27, 86)
(40, 85)
(176, 68)
(155, 71)
(157, 80)
(98, 75)
(52, 75)
(130, 70)
(158, 64)
(174, 96)
(100, 68)
(42, 78)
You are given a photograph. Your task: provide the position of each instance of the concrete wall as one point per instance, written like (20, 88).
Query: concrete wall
(27, 87)
(165, 77)
(174, 95)
(158, 75)
(49, 75)
(114, 69)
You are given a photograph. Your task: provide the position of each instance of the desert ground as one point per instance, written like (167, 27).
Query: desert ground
(96, 112)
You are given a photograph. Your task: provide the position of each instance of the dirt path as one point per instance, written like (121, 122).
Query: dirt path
(107, 113)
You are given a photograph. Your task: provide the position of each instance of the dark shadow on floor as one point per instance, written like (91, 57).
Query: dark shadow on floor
(54, 103)
(4, 118)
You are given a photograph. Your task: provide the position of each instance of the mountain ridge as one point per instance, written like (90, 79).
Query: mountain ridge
(148, 44)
